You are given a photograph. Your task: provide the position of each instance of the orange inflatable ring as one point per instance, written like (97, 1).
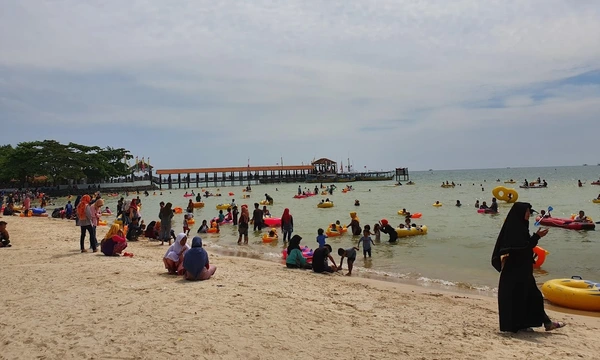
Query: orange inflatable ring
(539, 256)
(212, 230)
(177, 210)
(191, 221)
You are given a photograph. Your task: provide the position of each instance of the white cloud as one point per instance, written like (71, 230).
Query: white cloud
(300, 68)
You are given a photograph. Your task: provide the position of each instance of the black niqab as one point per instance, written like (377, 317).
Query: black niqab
(511, 234)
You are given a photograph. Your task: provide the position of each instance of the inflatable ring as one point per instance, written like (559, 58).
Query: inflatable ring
(437, 204)
(177, 210)
(574, 293)
(223, 206)
(596, 201)
(326, 204)
(539, 256)
(411, 232)
(265, 202)
(246, 196)
(198, 205)
(212, 230)
(101, 223)
(331, 233)
(501, 193)
(191, 221)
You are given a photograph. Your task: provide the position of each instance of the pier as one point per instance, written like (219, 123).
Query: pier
(243, 175)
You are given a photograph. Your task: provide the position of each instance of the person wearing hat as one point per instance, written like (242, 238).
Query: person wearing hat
(387, 229)
(520, 302)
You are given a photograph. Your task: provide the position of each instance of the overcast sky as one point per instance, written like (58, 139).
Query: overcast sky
(388, 83)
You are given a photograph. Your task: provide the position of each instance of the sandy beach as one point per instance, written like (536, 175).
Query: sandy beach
(59, 303)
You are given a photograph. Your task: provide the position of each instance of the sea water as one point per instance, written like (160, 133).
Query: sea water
(456, 250)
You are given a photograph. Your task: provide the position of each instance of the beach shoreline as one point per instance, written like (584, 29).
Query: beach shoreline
(61, 303)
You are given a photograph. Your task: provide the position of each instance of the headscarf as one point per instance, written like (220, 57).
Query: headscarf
(174, 250)
(166, 211)
(114, 230)
(195, 258)
(245, 212)
(512, 233)
(286, 217)
(77, 200)
(384, 222)
(85, 200)
(294, 243)
(353, 216)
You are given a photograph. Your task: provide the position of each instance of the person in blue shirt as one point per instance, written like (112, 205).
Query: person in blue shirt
(69, 209)
(321, 237)
(367, 241)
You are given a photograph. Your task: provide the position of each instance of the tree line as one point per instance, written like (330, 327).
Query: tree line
(59, 162)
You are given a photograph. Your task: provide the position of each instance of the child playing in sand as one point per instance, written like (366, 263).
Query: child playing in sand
(349, 253)
(4, 237)
(186, 225)
(367, 241)
(321, 237)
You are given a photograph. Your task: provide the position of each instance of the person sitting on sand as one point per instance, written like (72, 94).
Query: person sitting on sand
(4, 236)
(195, 262)
(173, 258)
(319, 261)
(151, 232)
(114, 242)
(134, 230)
(386, 228)
(203, 229)
(483, 206)
(582, 218)
(295, 259)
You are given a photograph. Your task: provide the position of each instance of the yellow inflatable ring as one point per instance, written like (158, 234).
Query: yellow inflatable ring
(412, 231)
(501, 193)
(265, 202)
(437, 204)
(330, 233)
(326, 204)
(596, 201)
(573, 293)
(223, 206)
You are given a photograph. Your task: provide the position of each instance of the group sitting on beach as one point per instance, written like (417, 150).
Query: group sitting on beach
(192, 263)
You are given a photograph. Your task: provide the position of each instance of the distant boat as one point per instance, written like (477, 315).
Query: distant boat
(584, 164)
(432, 169)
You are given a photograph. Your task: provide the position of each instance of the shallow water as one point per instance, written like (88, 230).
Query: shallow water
(455, 252)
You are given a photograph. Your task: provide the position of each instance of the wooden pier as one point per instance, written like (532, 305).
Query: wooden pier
(402, 174)
(243, 175)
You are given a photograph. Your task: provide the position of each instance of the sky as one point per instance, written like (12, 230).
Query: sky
(389, 83)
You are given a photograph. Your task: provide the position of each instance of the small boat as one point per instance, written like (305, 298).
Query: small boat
(532, 187)
(566, 223)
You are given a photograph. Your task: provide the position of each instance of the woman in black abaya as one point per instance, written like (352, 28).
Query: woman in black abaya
(520, 302)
